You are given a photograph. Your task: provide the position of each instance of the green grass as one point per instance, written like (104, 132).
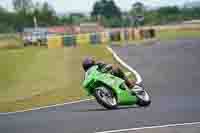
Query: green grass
(167, 35)
(178, 34)
(34, 77)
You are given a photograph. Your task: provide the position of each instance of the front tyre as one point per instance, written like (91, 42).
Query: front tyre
(144, 99)
(105, 97)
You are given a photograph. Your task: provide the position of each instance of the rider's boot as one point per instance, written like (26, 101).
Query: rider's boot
(131, 85)
(134, 88)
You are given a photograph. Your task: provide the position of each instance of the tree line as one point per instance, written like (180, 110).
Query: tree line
(105, 12)
(23, 16)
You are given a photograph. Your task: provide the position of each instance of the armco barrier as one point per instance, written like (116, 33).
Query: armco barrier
(55, 42)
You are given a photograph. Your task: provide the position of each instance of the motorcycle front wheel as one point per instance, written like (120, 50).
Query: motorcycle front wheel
(143, 96)
(105, 97)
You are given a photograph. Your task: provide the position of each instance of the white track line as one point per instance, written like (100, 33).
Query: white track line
(138, 77)
(45, 107)
(151, 127)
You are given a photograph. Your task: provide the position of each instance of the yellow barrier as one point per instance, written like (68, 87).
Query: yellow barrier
(122, 35)
(83, 39)
(133, 34)
(105, 37)
(130, 34)
(137, 35)
(55, 42)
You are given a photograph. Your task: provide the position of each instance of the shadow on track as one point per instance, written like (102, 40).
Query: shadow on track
(103, 109)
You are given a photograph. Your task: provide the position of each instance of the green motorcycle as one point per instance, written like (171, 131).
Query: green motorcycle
(111, 91)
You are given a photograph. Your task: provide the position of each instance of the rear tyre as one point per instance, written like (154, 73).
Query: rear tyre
(105, 97)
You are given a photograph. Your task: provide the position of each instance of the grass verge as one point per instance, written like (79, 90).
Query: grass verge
(10, 41)
(34, 77)
(164, 35)
(178, 34)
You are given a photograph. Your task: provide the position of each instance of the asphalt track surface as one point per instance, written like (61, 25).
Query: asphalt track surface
(171, 69)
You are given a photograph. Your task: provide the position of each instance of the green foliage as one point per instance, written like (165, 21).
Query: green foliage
(45, 14)
(164, 15)
(137, 9)
(106, 8)
(24, 14)
(168, 14)
(111, 22)
(73, 18)
(22, 5)
(107, 12)
(6, 21)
